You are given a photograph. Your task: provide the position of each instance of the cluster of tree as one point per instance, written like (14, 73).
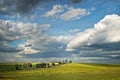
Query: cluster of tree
(47, 65)
(23, 66)
(41, 65)
(66, 61)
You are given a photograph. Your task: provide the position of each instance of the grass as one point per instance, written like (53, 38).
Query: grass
(72, 71)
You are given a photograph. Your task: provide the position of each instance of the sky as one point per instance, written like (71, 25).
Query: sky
(55, 30)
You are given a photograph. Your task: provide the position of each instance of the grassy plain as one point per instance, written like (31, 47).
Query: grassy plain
(70, 71)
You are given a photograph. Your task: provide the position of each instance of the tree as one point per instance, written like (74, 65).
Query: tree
(60, 62)
(17, 66)
(66, 61)
(44, 65)
(70, 61)
(37, 65)
(53, 64)
(29, 64)
(25, 65)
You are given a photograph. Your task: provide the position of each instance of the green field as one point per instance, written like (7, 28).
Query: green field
(70, 71)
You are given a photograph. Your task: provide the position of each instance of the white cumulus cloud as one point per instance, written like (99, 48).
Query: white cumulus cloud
(105, 31)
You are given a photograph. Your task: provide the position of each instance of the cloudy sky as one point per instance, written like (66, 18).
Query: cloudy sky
(55, 30)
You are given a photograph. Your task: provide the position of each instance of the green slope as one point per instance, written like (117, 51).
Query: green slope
(73, 71)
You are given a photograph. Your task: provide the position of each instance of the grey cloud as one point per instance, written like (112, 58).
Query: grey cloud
(56, 54)
(97, 56)
(113, 46)
(96, 53)
(8, 35)
(107, 46)
(74, 1)
(25, 7)
(28, 45)
(7, 48)
(48, 44)
(10, 31)
(34, 34)
(18, 6)
(6, 31)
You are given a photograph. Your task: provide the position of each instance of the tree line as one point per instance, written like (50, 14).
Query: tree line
(40, 65)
